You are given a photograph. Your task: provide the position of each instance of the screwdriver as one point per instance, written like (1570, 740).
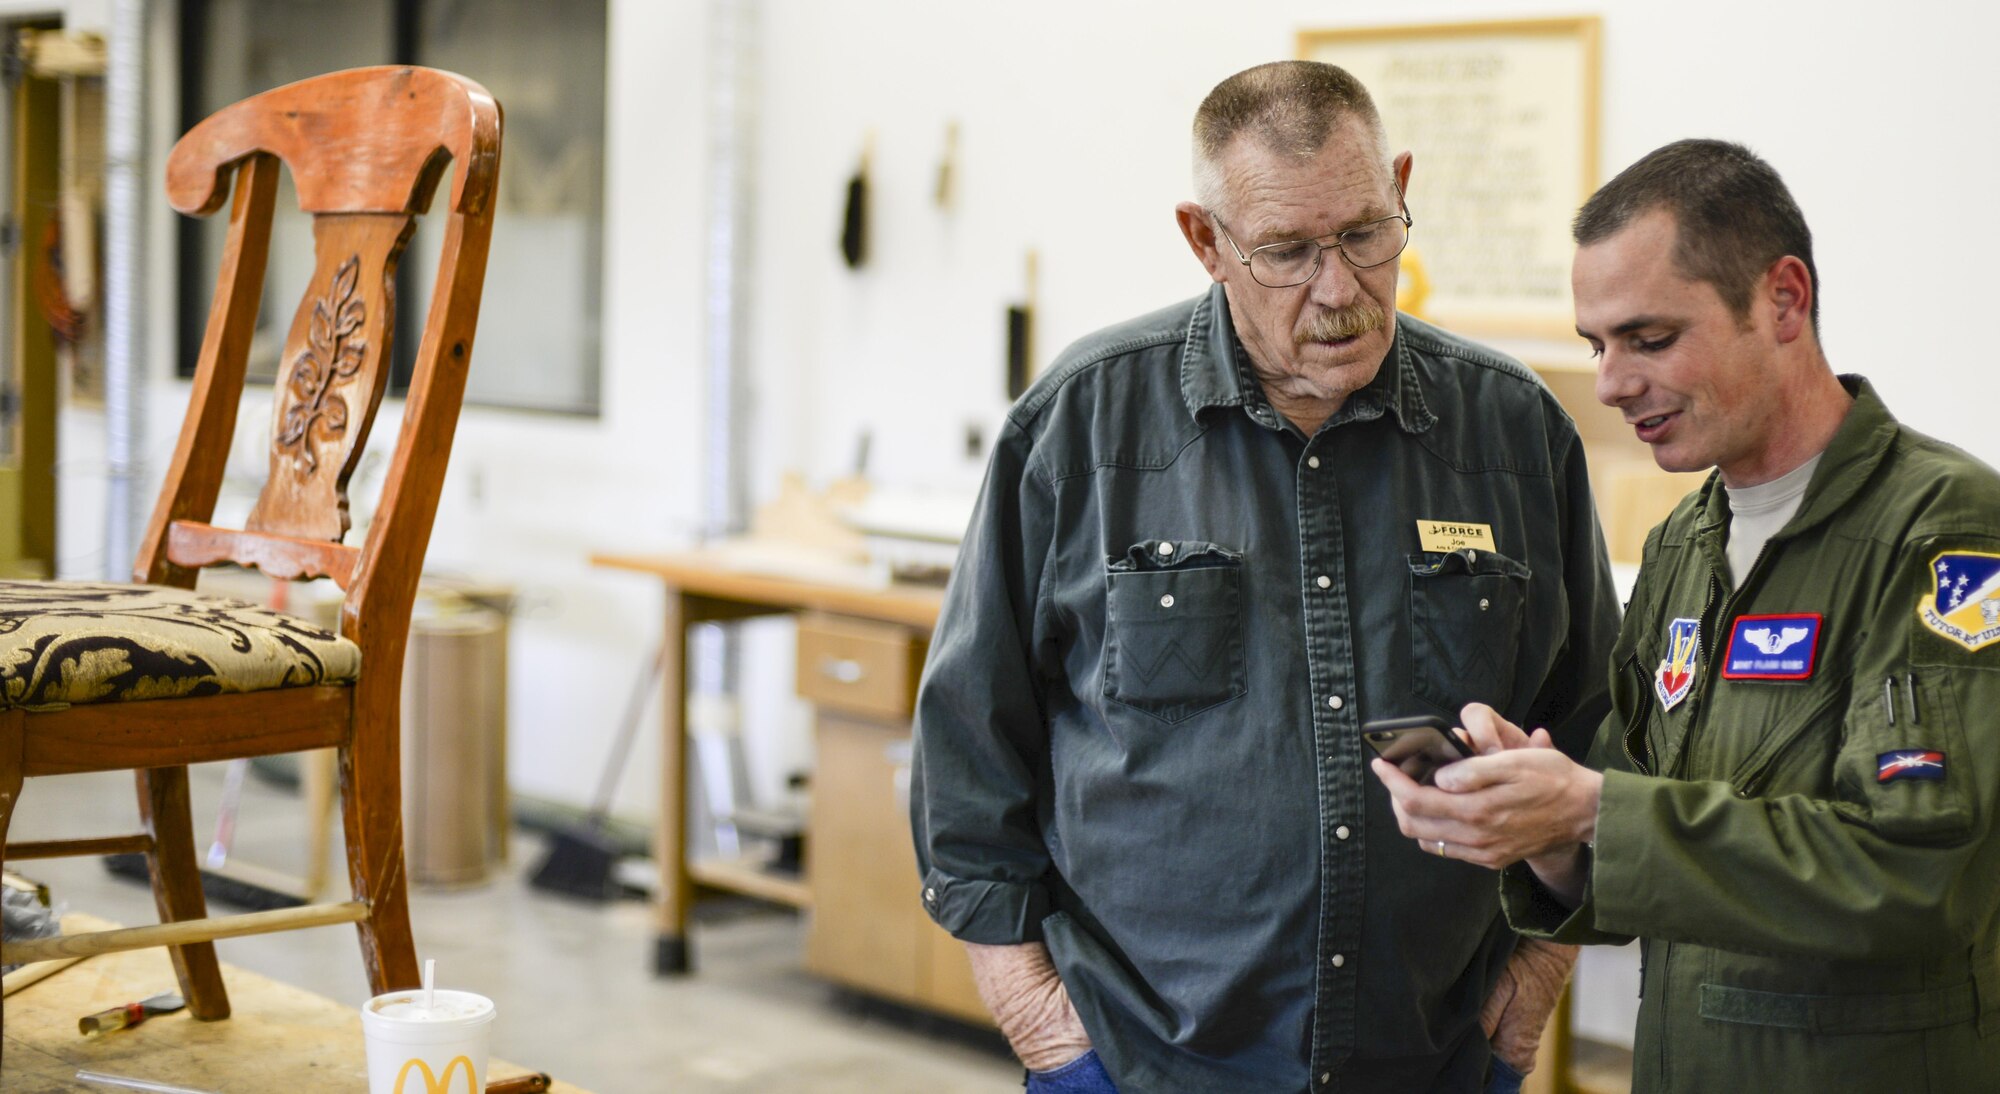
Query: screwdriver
(129, 1015)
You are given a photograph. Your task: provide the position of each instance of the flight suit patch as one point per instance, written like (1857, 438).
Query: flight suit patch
(1909, 763)
(1674, 679)
(1772, 647)
(1964, 602)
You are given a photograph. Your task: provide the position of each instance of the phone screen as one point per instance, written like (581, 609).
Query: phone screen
(1419, 746)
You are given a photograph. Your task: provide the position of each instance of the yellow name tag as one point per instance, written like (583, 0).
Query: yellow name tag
(1446, 535)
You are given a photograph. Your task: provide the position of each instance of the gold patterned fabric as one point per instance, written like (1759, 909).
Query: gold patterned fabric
(66, 642)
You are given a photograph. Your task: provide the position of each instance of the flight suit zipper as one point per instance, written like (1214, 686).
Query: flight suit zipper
(1635, 724)
(1713, 610)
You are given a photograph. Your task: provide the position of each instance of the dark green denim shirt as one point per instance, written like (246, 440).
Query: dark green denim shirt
(1810, 851)
(1138, 731)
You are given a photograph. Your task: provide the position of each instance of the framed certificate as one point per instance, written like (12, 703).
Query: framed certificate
(1501, 119)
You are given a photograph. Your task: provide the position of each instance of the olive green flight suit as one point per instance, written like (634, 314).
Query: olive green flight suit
(1817, 890)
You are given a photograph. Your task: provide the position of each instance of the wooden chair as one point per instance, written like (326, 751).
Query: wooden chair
(153, 676)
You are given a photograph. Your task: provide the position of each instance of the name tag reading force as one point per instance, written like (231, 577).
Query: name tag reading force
(1445, 535)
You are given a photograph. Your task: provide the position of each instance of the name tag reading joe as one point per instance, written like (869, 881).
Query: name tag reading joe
(1445, 536)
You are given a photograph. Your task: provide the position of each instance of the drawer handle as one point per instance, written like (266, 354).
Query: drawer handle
(840, 669)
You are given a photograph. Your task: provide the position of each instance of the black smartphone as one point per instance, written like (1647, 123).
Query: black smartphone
(1418, 745)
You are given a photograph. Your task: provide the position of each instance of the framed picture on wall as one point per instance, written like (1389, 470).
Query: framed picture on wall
(1501, 119)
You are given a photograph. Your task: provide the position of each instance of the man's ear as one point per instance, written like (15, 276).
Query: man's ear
(1788, 286)
(1199, 230)
(1401, 165)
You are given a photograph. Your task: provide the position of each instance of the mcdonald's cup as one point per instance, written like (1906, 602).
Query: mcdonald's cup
(441, 1049)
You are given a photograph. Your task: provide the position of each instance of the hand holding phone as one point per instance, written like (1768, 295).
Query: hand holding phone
(1418, 745)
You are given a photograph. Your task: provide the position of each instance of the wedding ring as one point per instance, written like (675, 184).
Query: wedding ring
(1438, 850)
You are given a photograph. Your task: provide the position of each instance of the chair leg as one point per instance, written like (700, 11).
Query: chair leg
(163, 809)
(13, 737)
(371, 806)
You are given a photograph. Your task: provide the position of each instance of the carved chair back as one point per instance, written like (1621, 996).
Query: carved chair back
(367, 149)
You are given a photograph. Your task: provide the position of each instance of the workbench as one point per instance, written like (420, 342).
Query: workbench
(861, 646)
(278, 1037)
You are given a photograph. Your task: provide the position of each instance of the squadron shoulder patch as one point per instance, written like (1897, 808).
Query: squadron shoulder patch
(1772, 647)
(1675, 676)
(1964, 602)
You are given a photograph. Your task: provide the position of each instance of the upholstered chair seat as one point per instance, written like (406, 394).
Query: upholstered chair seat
(68, 642)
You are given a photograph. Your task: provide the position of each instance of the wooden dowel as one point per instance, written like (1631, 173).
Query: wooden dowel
(33, 974)
(181, 933)
(65, 848)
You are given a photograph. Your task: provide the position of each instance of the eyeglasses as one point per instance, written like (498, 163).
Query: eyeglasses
(1295, 262)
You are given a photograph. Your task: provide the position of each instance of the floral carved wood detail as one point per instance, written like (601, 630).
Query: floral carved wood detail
(335, 351)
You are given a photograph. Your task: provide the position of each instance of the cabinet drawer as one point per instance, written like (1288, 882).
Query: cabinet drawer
(859, 665)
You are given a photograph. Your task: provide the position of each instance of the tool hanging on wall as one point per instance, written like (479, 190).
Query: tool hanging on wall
(945, 194)
(854, 218)
(1021, 337)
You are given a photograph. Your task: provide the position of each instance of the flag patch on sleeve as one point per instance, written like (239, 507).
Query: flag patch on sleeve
(1909, 763)
(1771, 647)
(1964, 602)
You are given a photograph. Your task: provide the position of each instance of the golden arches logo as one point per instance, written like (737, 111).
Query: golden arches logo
(433, 1084)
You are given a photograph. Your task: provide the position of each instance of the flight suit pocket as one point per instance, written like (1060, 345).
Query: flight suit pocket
(1903, 771)
(1174, 628)
(1465, 626)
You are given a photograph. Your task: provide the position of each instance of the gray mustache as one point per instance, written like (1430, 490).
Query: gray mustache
(1346, 322)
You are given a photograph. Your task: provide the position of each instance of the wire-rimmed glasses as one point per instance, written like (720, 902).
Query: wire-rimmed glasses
(1297, 261)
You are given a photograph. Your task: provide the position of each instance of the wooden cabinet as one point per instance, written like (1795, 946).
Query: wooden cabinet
(862, 870)
(868, 929)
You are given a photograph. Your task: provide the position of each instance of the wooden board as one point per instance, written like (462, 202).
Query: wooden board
(280, 1037)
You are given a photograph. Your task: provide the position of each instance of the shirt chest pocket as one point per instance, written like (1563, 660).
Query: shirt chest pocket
(1465, 626)
(1174, 628)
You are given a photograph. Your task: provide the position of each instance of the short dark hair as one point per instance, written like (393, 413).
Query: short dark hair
(1291, 107)
(1733, 216)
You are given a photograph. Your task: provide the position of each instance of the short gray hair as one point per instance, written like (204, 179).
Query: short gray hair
(1290, 107)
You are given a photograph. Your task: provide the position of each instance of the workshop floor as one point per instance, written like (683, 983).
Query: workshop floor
(573, 982)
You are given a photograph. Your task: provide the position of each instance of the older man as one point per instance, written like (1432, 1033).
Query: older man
(1213, 541)
(1801, 779)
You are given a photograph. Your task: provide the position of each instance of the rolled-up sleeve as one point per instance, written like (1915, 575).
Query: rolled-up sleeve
(981, 750)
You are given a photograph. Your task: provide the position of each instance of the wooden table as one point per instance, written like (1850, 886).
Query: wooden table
(714, 586)
(278, 1038)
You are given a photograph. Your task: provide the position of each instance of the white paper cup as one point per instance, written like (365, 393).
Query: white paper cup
(440, 1051)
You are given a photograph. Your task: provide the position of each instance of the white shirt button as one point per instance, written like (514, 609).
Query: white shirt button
(1335, 701)
(930, 895)
(1323, 581)
(1339, 960)
(1167, 601)
(1342, 832)
(1166, 548)
(1313, 462)
(1325, 1077)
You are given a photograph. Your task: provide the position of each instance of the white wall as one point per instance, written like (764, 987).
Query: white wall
(1074, 121)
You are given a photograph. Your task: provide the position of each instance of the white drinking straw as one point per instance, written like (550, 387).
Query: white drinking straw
(430, 980)
(130, 1083)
